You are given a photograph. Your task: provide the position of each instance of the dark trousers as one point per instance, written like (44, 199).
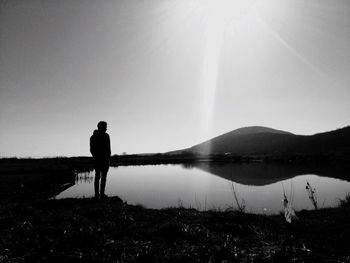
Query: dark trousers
(101, 170)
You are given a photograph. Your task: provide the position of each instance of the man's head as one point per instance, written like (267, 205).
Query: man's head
(102, 126)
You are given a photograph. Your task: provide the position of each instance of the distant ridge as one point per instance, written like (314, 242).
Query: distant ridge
(257, 140)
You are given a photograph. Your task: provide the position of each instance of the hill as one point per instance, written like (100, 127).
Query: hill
(271, 142)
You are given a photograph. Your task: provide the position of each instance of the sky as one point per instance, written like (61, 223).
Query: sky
(168, 74)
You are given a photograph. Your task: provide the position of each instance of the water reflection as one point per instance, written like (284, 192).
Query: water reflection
(264, 174)
(204, 186)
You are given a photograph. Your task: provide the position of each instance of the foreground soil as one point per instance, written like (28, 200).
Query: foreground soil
(88, 230)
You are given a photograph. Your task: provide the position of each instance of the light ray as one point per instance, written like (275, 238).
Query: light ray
(292, 50)
(210, 73)
(219, 16)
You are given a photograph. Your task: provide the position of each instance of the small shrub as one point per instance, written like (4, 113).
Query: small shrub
(240, 205)
(345, 203)
(312, 195)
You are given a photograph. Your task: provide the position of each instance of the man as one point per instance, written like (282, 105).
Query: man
(100, 148)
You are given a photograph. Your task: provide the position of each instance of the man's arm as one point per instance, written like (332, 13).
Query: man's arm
(92, 146)
(109, 146)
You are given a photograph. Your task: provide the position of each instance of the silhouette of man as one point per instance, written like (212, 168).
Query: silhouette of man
(100, 148)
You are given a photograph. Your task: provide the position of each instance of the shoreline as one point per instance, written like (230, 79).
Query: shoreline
(35, 229)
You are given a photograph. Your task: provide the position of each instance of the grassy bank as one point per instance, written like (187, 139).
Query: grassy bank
(88, 230)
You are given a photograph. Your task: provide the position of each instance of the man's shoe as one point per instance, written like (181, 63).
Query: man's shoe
(103, 196)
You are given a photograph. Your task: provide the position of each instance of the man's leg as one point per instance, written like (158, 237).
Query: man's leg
(97, 182)
(103, 180)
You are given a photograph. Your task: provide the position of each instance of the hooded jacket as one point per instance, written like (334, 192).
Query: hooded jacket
(100, 146)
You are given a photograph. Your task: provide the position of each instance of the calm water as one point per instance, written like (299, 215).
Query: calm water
(207, 186)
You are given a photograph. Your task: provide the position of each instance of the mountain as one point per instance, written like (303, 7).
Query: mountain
(258, 140)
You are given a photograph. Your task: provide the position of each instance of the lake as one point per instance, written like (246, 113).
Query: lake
(207, 186)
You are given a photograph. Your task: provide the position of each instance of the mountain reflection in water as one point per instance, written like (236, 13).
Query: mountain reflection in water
(264, 174)
(209, 186)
